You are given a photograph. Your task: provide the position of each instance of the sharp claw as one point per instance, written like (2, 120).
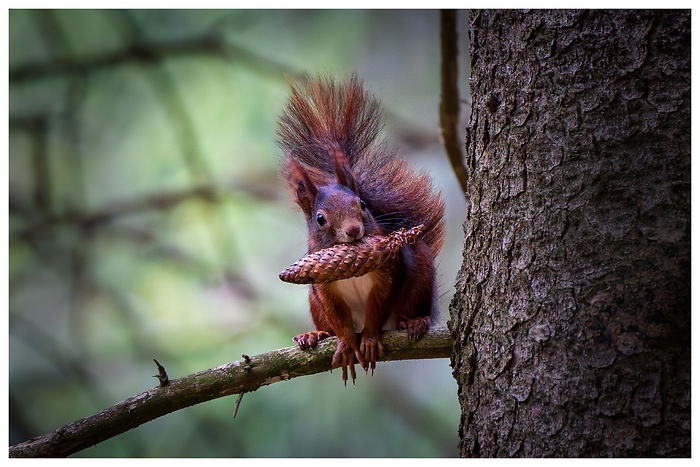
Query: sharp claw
(352, 372)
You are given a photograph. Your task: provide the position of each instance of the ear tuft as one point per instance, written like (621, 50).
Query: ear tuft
(343, 173)
(303, 187)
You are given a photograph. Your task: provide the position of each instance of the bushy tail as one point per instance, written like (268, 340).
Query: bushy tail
(324, 117)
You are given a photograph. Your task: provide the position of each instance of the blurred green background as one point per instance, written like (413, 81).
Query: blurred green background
(147, 220)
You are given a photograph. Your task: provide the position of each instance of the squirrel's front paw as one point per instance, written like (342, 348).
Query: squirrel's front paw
(372, 349)
(310, 339)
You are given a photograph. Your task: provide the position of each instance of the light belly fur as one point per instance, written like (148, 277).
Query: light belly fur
(355, 292)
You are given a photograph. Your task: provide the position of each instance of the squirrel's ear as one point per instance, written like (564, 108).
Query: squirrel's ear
(303, 187)
(343, 173)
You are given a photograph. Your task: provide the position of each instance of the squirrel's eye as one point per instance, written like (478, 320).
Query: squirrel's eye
(320, 219)
(363, 206)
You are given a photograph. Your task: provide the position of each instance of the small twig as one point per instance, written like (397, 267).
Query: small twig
(247, 366)
(162, 374)
(449, 95)
(238, 403)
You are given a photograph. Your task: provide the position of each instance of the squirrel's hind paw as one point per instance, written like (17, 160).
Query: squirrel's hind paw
(344, 358)
(415, 327)
(372, 349)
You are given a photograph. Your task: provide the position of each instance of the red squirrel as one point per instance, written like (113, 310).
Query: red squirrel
(349, 184)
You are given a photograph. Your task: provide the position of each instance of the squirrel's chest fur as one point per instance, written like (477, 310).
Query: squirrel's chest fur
(355, 293)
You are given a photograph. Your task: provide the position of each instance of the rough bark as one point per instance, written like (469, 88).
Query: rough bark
(572, 312)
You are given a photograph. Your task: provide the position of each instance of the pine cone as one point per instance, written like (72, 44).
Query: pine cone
(346, 260)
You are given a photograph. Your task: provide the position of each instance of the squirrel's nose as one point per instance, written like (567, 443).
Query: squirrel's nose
(354, 232)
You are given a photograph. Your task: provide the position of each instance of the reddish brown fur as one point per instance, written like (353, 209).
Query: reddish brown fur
(335, 166)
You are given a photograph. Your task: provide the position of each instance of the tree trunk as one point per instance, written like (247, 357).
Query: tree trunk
(572, 312)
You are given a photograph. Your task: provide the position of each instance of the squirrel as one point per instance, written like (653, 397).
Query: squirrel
(349, 184)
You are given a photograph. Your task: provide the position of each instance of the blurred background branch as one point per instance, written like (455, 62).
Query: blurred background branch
(143, 185)
(452, 138)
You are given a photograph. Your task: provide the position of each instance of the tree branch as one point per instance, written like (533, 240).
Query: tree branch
(149, 53)
(238, 377)
(449, 95)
